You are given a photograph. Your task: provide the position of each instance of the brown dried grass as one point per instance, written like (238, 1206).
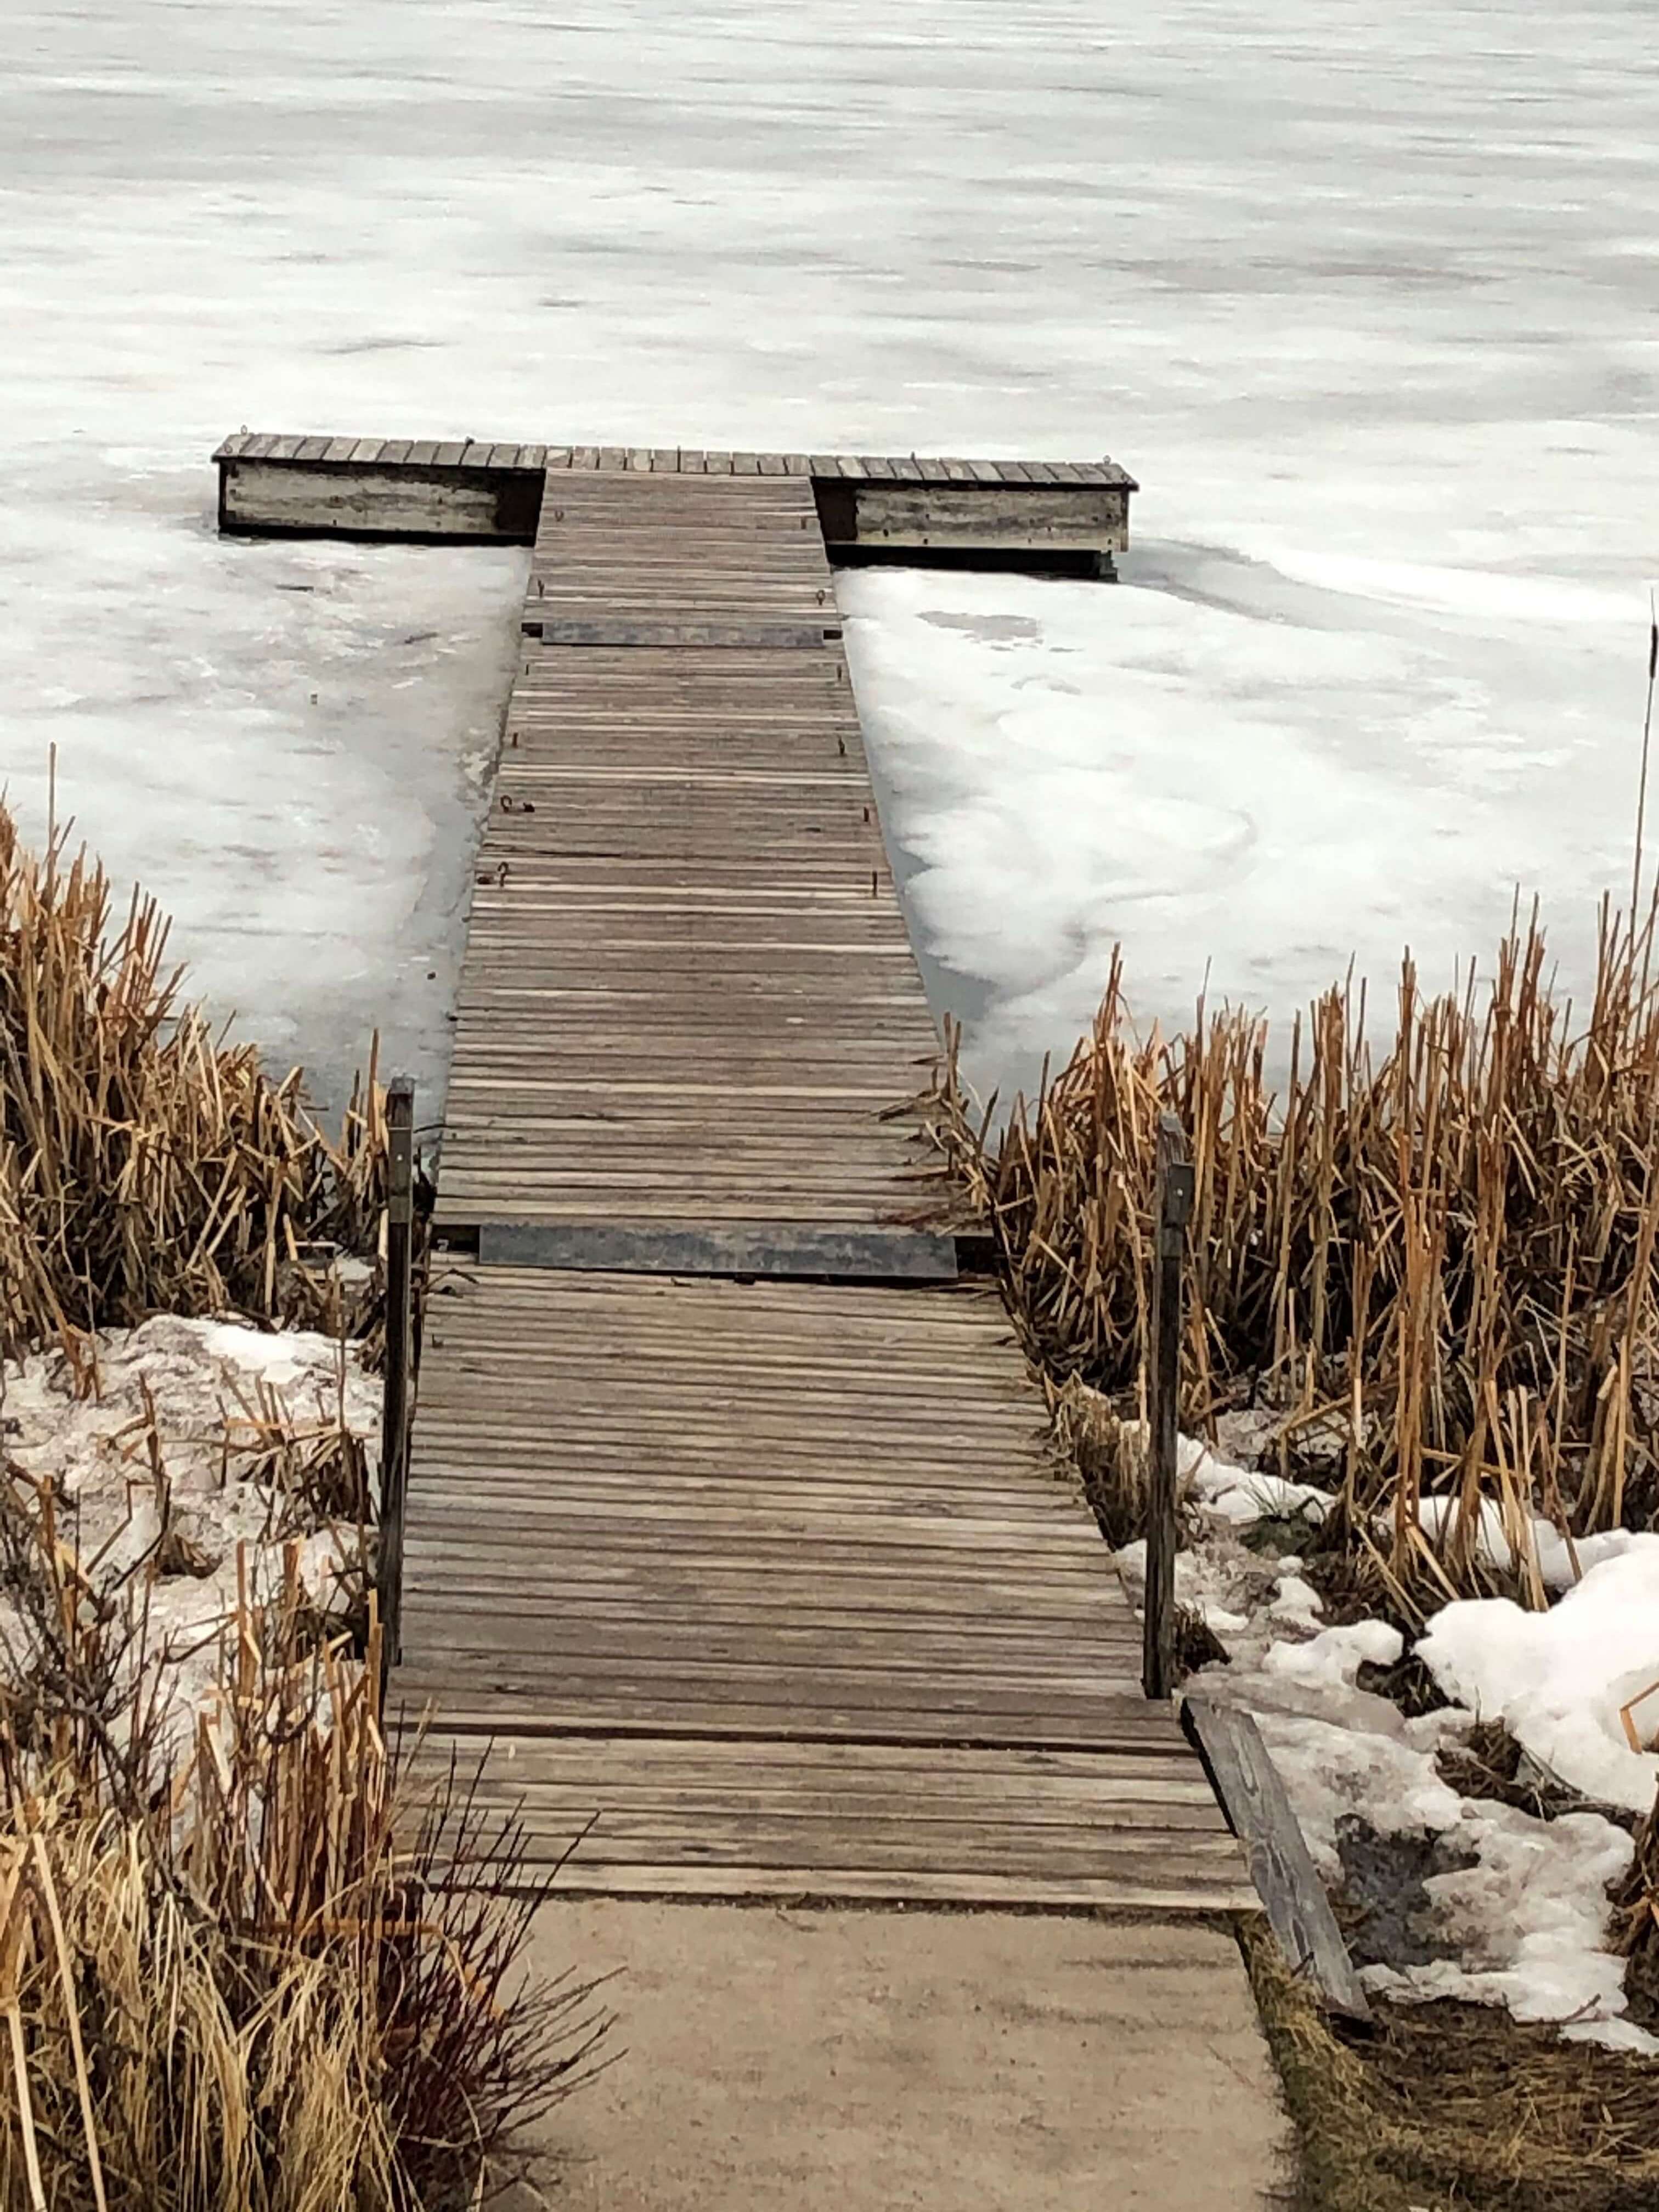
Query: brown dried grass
(1442, 1253)
(248, 1978)
(1451, 2107)
(240, 1969)
(146, 1165)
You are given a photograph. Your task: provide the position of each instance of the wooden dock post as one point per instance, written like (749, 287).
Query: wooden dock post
(399, 1349)
(1174, 1203)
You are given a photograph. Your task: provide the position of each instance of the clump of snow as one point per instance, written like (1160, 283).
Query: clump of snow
(1529, 1919)
(1243, 1495)
(153, 1448)
(201, 1378)
(1560, 1562)
(1526, 1919)
(1335, 1655)
(1558, 1679)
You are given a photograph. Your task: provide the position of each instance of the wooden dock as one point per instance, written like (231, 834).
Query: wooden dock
(1069, 516)
(731, 1523)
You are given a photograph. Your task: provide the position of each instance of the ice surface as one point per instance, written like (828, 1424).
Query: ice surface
(1365, 297)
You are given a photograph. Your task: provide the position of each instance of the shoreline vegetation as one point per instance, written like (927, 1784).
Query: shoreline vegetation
(1422, 1326)
(1421, 1318)
(239, 1962)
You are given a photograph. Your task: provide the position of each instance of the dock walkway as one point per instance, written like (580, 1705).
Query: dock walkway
(730, 1521)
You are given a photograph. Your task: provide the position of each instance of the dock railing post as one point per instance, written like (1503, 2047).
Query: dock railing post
(1173, 1204)
(399, 1352)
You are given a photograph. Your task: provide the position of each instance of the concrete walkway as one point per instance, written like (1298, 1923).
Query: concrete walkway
(881, 2061)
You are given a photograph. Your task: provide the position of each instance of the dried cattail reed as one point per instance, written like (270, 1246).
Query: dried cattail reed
(1446, 1249)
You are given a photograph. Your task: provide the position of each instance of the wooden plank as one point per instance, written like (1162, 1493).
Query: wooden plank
(339, 449)
(395, 452)
(1144, 1889)
(584, 457)
(448, 455)
(1258, 1810)
(989, 517)
(543, 457)
(366, 449)
(229, 448)
(707, 635)
(422, 454)
(780, 1249)
(269, 497)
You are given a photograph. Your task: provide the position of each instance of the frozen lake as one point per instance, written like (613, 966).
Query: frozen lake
(1369, 300)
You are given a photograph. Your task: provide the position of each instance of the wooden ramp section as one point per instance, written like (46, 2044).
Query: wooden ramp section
(767, 1588)
(731, 1526)
(684, 560)
(687, 996)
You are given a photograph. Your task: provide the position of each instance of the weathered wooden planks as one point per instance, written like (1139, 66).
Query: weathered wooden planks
(374, 488)
(743, 1551)
(687, 997)
(770, 1589)
(1249, 1788)
(625, 559)
(763, 1248)
(867, 506)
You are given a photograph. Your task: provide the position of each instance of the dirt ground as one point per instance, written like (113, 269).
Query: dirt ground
(877, 2061)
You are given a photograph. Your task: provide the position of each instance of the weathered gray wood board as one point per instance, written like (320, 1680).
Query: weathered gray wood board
(778, 1248)
(481, 506)
(1249, 1788)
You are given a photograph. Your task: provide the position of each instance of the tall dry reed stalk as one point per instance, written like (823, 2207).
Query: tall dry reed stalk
(145, 1166)
(1440, 1257)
